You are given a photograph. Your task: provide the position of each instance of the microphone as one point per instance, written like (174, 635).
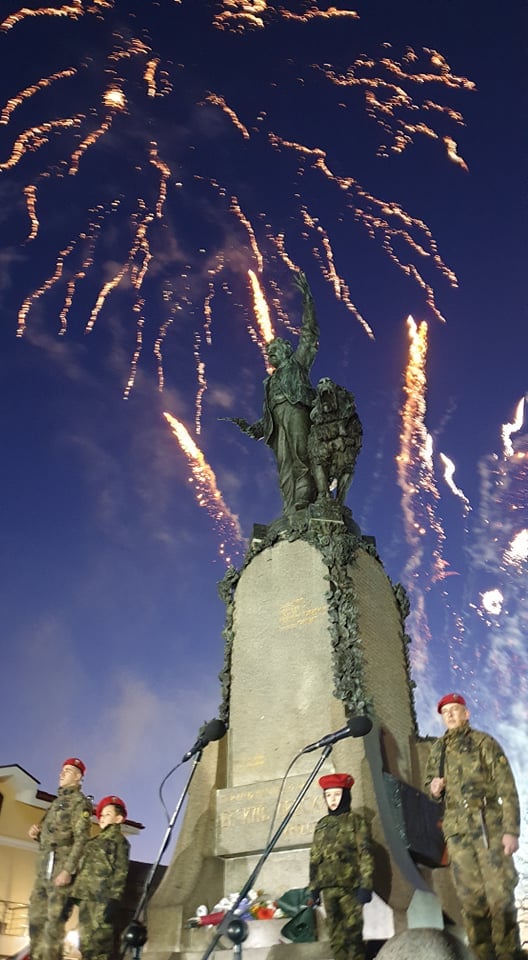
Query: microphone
(360, 726)
(356, 727)
(214, 730)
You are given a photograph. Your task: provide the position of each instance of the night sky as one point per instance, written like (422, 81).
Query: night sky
(111, 621)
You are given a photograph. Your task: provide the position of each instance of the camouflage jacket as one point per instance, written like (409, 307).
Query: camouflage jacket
(480, 789)
(65, 829)
(104, 866)
(341, 854)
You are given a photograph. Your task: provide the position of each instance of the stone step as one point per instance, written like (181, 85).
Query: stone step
(278, 951)
(264, 937)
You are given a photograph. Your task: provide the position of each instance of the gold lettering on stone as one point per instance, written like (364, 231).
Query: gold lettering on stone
(295, 613)
(250, 812)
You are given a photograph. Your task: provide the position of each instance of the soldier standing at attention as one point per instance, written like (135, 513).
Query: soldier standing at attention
(341, 867)
(468, 770)
(61, 834)
(101, 881)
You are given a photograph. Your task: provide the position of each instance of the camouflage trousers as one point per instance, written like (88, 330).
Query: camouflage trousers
(344, 919)
(96, 937)
(46, 922)
(485, 881)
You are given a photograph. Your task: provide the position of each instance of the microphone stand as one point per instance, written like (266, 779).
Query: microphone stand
(135, 934)
(231, 918)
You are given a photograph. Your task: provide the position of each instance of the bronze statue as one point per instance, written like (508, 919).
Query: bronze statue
(334, 440)
(288, 397)
(314, 434)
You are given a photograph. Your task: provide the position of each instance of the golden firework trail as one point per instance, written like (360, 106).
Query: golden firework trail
(89, 141)
(261, 308)
(174, 308)
(150, 76)
(387, 102)
(36, 137)
(114, 99)
(329, 271)
(47, 285)
(219, 101)
(246, 222)
(71, 10)
(89, 240)
(201, 377)
(387, 221)
(202, 383)
(239, 15)
(415, 472)
(452, 153)
(140, 323)
(208, 495)
(264, 334)
(29, 92)
(279, 243)
(165, 173)
(30, 193)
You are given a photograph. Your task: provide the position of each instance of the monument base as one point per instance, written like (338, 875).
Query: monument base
(314, 635)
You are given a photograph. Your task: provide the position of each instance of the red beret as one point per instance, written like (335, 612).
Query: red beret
(332, 780)
(451, 698)
(75, 762)
(110, 801)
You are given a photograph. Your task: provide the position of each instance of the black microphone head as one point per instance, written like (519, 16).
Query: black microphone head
(214, 730)
(359, 726)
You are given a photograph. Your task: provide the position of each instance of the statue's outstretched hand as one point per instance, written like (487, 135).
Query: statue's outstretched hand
(254, 430)
(302, 284)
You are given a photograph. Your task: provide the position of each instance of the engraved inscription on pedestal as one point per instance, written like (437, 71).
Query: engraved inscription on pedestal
(281, 666)
(246, 815)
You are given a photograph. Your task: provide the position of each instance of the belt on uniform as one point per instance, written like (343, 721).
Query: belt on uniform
(55, 844)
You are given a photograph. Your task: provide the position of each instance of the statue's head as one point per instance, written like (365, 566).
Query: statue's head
(278, 350)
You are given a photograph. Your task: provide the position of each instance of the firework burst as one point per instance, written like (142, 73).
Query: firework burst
(150, 188)
(127, 130)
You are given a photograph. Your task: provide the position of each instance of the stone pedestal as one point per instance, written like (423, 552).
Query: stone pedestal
(314, 633)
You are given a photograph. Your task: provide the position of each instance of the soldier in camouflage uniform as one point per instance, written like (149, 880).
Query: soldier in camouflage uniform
(468, 771)
(341, 867)
(101, 881)
(61, 835)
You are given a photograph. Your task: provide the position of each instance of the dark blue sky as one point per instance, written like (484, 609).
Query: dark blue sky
(112, 623)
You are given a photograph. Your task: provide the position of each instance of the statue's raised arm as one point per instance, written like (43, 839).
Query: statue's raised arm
(309, 338)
